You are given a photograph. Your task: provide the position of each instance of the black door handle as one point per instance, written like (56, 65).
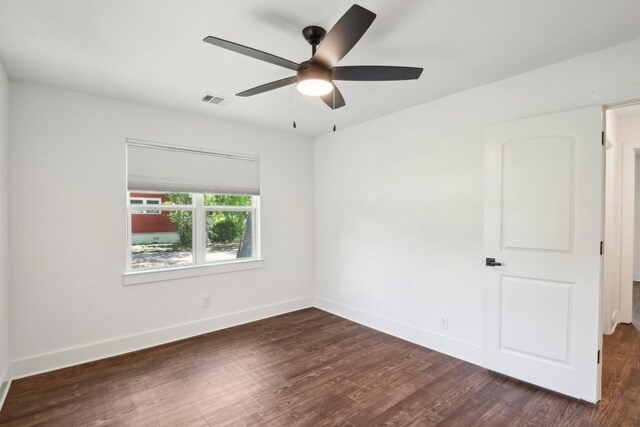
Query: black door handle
(491, 262)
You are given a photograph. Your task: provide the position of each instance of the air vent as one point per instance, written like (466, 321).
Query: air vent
(213, 99)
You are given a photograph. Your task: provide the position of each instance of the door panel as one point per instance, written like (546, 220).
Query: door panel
(549, 330)
(543, 223)
(529, 194)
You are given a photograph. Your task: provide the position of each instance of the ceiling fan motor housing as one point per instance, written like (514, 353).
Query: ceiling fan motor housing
(308, 70)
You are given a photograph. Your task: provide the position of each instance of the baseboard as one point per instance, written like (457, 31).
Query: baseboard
(5, 383)
(614, 321)
(613, 328)
(636, 277)
(452, 347)
(100, 350)
(46, 362)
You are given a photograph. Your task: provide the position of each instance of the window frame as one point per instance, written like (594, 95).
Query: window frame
(199, 265)
(145, 202)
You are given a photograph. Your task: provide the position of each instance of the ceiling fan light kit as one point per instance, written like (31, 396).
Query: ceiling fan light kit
(314, 87)
(313, 80)
(315, 77)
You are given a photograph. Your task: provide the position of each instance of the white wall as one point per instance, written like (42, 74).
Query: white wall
(68, 224)
(636, 245)
(398, 200)
(4, 225)
(612, 218)
(629, 131)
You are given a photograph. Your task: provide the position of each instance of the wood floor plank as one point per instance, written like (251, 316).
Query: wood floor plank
(312, 368)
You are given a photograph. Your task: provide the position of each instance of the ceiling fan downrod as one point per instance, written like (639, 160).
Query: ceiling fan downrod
(314, 35)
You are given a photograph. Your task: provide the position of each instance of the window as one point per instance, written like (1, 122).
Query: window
(145, 201)
(189, 227)
(192, 228)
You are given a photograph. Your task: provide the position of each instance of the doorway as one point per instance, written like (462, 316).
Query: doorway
(621, 275)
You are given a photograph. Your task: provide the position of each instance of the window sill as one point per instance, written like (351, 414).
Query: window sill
(150, 276)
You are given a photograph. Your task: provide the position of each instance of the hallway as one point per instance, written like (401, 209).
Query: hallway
(620, 404)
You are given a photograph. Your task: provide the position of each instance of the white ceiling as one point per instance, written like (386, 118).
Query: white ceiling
(151, 51)
(627, 111)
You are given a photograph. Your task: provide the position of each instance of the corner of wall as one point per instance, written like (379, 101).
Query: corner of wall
(459, 349)
(5, 359)
(5, 384)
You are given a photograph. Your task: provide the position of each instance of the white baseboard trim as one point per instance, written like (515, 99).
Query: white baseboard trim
(5, 383)
(103, 349)
(46, 362)
(636, 276)
(452, 347)
(614, 322)
(613, 328)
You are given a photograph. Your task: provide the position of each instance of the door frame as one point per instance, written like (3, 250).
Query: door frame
(629, 151)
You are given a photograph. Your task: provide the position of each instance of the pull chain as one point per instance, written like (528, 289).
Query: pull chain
(334, 108)
(294, 108)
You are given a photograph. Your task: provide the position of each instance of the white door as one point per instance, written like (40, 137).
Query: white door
(543, 223)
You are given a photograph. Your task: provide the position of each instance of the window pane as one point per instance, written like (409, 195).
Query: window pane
(152, 202)
(226, 200)
(177, 199)
(229, 235)
(140, 197)
(161, 240)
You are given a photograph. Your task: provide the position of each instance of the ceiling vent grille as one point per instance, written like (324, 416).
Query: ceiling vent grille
(214, 99)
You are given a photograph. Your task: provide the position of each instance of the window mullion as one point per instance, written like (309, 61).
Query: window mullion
(199, 228)
(129, 241)
(255, 227)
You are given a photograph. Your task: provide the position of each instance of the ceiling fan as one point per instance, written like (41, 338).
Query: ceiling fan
(316, 76)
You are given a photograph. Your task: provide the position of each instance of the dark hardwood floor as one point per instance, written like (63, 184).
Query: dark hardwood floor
(312, 368)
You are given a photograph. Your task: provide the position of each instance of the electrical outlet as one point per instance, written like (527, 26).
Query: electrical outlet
(206, 301)
(444, 322)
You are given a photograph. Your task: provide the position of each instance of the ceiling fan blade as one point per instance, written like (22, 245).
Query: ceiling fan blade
(253, 53)
(339, 100)
(343, 36)
(372, 73)
(269, 86)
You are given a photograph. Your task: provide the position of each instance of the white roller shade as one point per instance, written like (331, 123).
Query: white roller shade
(160, 168)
